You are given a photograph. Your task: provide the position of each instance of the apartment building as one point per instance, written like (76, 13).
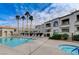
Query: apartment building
(70, 23)
(66, 24)
(49, 27)
(55, 26)
(39, 29)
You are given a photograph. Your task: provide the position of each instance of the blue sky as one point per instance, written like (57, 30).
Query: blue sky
(41, 12)
(9, 9)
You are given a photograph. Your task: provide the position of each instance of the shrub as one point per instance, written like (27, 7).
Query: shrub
(55, 36)
(50, 38)
(65, 36)
(76, 37)
(59, 36)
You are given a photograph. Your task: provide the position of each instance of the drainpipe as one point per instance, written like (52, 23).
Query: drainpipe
(72, 37)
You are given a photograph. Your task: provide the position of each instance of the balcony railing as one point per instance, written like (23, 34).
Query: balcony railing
(77, 21)
(48, 25)
(65, 24)
(76, 49)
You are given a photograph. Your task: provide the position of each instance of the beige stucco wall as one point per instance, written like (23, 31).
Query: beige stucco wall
(8, 32)
(72, 26)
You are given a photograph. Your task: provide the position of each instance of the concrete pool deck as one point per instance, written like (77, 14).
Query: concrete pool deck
(41, 46)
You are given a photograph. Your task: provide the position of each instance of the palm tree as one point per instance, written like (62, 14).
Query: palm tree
(31, 19)
(17, 18)
(27, 15)
(23, 18)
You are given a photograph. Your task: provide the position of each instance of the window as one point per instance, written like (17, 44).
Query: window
(77, 28)
(37, 27)
(11, 33)
(55, 31)
(14, 30)
(48, 30)
(48, 35)
(5, 32)
(77, 17)
(55, 24)
(65, 30)
(65, 22)
(48, 25)
(34, 31)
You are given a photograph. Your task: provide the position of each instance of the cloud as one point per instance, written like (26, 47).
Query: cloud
(40, 14)
(53, 11)
(10, 21)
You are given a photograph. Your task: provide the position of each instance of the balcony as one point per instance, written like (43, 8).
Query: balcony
(65, 29)
(48, 25)
(65, 23)
(48, 30)
(77, 29)
(77, 23)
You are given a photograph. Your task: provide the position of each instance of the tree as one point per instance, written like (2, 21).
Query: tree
(23, 18)
(17, 18)
(31, 19)
(27, 17)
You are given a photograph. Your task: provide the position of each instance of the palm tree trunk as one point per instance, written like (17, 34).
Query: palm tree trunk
(18, 26)
(27, 24)
(30, 26)
(22, 25)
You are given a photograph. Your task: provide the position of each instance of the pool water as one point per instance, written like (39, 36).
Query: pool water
(70, 49)
(13, 42)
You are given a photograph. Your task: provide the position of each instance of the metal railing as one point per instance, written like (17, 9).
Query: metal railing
(75, 50)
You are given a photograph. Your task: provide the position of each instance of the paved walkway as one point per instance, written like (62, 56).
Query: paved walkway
(51, 48)
(41, 46)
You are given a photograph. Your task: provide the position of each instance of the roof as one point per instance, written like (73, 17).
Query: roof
(53, 19)
(70, 14)
(7, 27)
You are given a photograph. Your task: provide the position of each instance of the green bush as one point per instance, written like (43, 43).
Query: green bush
(55, 36)
(59, 36)
(50, 38)
(76, 37)
(65, 36)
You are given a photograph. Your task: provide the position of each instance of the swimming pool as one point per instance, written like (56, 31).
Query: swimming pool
(70, 49)
(13, 42)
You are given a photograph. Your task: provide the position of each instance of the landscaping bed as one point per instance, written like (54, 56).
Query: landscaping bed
(59, 36)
